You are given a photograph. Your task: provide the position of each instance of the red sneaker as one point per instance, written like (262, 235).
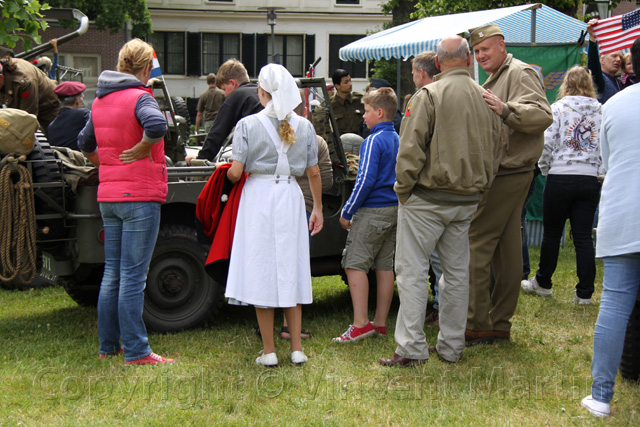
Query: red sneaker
(106, 356)
(381, 330)
(152, 359)
(354, 333)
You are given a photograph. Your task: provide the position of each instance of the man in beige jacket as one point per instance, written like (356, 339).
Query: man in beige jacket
(450, 146)
(514, 92)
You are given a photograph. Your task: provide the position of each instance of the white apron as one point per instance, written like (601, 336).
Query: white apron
(269, 265)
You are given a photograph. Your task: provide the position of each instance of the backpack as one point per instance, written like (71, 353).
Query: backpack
(17, 131)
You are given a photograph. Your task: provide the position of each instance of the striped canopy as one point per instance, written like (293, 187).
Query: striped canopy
(407, 40)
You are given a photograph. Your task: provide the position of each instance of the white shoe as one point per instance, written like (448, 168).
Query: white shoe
(269, 360)
(298, 357)
(581, 301)
(531, 286)
(597, 409)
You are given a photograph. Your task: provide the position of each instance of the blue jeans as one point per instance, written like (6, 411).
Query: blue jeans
(620, 288)
(130, 232)
(575, 197)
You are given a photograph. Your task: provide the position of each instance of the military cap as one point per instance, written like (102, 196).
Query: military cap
(65, 89)
(480, 34)
(378, 83)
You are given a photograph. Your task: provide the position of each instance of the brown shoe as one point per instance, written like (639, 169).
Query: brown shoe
(433, 319)
(501, 335)
(432, 350)
(402, 361)
(478, 337)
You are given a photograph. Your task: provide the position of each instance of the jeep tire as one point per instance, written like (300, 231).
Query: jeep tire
(179, 294)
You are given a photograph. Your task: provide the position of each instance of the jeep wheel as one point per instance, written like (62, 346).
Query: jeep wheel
(45, 170)
(84, 286)
(180, 108)
(630, 363)
(179, 293)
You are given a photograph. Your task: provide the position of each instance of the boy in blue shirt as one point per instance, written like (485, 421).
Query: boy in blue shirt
(371, 216)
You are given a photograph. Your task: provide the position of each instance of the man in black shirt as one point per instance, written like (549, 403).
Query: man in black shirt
(241, 101)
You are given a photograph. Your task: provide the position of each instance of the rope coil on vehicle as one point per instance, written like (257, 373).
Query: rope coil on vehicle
(17, 222)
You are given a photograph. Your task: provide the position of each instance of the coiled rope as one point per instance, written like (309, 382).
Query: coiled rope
(17, 224)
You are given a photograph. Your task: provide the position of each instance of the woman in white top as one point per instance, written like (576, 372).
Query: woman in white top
(570, 160)
(269, 265)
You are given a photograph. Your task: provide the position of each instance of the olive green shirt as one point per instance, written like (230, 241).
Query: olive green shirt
(29, 89)
(210, 102)
(348, 112)
(526, 115)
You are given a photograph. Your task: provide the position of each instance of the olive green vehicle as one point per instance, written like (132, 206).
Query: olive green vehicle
(179, 293)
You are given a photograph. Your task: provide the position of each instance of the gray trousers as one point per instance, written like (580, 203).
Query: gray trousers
(422, 228)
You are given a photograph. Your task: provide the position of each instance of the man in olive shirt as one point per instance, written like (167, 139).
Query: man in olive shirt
(514, 91)
(347, 106)
(209, 104)
(25, 87)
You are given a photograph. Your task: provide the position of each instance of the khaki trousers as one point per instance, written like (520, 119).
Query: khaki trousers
(422, 227)
(495, 242)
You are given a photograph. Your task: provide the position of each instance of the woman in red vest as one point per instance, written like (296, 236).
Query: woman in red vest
(124, 137)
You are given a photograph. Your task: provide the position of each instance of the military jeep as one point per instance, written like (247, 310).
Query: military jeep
(179, 293)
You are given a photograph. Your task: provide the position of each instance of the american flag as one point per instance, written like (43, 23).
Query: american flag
(618, 32)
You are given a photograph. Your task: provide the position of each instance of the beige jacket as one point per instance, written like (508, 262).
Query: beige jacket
(450, 141)
(527, 114)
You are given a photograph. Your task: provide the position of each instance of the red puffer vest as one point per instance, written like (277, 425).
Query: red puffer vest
(117, 129)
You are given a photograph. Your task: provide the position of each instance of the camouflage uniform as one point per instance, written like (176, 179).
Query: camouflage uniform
(348, 112)
(29, 89)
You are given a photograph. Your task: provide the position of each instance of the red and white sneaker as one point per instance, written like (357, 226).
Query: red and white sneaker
(354, 333)
(152, 359)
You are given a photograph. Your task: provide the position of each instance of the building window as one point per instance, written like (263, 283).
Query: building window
(170, 49)
(356, 69)
(218, 48)
(347, 1)
(290, 51)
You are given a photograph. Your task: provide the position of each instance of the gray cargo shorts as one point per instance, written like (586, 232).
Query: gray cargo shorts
(371, 242)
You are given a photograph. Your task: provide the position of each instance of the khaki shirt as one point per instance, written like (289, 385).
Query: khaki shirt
(526, 115)
(450, 142)
(210, 102)
(348, 112)
(29, 89)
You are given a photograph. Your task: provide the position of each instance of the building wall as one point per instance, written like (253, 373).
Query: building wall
(92, 52)
(317, 18)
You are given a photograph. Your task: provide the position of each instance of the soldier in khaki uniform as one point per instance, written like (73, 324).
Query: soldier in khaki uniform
(209, 104)
(347, 106)
(515, 92)
(25, 87)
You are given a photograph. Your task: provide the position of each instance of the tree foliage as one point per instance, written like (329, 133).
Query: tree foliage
(20, 21)
(113, 14)
(401, 11)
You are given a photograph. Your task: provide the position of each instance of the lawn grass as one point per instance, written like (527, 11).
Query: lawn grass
(51, 375)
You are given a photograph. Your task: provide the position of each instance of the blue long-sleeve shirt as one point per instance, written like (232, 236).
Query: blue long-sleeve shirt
(376, 171)
(606, 86)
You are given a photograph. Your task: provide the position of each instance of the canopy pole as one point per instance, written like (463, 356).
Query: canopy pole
(533, 26)
(398, 76)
